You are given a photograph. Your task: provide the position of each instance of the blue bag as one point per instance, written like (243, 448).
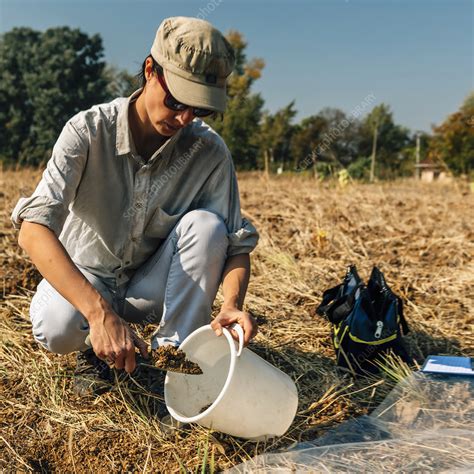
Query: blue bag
(367, 321)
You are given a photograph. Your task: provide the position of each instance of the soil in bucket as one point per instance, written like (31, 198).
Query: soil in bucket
(173, 359)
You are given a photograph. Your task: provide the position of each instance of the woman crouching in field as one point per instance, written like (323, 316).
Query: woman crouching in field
(137, 216)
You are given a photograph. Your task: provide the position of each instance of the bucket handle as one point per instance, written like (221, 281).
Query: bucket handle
(238, 328)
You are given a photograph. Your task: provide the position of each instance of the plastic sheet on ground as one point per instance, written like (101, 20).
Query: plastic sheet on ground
(425, 424)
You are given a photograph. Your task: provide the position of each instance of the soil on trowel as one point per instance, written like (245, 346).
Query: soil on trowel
(171, 358)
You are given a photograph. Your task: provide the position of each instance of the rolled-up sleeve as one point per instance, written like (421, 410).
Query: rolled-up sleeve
(222, 196)
(49, 203)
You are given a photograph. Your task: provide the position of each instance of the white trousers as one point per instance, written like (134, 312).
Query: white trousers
(175, 288)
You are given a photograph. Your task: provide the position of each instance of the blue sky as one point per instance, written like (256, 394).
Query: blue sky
(415, 55)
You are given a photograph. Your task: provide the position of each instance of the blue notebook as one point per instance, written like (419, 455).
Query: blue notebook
(449, 365)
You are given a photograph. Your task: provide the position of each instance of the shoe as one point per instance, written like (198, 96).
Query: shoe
(151, 378)
(92, 376)
(145, 376)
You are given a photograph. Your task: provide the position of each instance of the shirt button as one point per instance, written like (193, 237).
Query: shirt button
(138, 205)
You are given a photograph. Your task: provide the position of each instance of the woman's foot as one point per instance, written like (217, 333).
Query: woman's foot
(92, 376)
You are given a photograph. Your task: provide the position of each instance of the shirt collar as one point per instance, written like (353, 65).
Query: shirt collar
(124, 142)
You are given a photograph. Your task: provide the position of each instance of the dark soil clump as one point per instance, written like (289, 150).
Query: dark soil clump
(171, 358)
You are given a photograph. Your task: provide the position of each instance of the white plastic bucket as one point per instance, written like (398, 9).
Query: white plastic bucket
(238, 393)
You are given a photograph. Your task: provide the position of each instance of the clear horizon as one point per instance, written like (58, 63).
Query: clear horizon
(416, 56)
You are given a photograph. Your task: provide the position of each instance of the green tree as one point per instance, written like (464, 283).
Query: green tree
(239, 126)
(391, 141)
(329, 140)
(360, 168)
(407, 165)
(56, 74)
(304, 143)
(16, 109)
(339, 139)
(453, 140)
(275, 135)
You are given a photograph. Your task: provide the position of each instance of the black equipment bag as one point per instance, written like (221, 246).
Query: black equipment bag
(367, 321)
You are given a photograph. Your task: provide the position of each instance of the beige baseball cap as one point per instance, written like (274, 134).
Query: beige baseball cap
(196, 60)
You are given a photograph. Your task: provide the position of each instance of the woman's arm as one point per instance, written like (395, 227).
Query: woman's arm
(111, 338)
(234, 285)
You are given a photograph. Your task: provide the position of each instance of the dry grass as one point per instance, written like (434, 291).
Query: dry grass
(421, 236)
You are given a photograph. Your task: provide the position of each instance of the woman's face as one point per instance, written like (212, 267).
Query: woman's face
(164, 120)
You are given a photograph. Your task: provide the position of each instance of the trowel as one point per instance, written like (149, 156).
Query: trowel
(191, 368)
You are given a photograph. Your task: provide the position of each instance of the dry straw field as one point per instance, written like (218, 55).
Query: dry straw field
(421, 235)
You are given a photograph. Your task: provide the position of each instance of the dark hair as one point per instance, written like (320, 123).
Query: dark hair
(156, 68)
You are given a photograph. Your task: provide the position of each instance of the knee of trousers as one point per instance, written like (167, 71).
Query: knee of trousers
(207, 232)
(58, 326)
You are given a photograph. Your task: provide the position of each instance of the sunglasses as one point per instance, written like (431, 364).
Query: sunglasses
(177, 106)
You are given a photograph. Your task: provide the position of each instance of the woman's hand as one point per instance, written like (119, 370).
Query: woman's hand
(111, 338)
(114, 341)
(229, 316)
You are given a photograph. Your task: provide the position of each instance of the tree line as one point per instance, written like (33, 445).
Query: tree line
(47, 77)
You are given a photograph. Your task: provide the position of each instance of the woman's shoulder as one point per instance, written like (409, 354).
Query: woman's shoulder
(105, 114)
(200, 133)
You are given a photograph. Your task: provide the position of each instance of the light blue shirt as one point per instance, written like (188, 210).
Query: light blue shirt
(111, 209)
